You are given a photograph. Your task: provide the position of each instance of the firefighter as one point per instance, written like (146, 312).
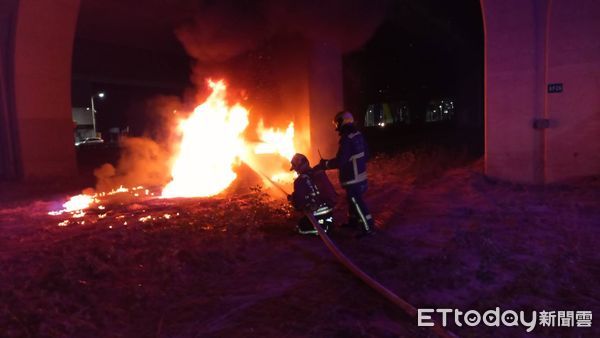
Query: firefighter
(313, 192)
(351, 162)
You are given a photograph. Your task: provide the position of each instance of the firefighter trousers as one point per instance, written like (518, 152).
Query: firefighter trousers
(358, 212)
(305, 227)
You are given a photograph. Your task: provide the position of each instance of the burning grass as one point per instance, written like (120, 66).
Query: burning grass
(231, 265)
(110, 275)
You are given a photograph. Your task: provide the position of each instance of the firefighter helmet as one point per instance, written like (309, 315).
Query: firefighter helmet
(299, 162)
(342, 118)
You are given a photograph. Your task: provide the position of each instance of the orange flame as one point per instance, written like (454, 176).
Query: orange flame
(210, 146)
(274, 141)
(78, 202)
(75, 205)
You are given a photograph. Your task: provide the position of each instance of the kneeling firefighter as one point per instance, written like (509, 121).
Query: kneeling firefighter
(351, 162)
(314, 193)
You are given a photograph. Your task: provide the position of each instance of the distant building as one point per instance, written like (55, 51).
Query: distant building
(382, 114)
(83, 123)
(439, 110)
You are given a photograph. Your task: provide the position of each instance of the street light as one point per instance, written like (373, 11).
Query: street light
(100, 95)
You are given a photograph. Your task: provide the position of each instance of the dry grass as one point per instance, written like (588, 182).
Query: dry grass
(233, 267)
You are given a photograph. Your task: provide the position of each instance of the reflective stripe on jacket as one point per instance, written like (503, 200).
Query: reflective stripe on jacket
(351, 158)
(307, 197)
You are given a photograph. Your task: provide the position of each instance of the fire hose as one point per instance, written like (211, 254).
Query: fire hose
(388, 294)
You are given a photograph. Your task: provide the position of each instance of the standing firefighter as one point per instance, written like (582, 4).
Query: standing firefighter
(351, 162)
(313, 192)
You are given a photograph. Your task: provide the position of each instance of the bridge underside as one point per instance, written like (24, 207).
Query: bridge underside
(531, 135)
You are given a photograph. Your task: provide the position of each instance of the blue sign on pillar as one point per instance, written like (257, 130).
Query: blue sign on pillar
(555, 87)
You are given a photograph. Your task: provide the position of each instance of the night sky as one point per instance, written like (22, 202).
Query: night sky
(420, 50)
(424, 50)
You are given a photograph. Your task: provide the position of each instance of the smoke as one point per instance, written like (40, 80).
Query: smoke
(142, 162)
(161, 113)
(346, 24)
(221, 30)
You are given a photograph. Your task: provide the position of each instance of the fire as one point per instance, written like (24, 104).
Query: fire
(79, 202)
(211, 145)
(275, 141)
(284, 177)
(75, 205)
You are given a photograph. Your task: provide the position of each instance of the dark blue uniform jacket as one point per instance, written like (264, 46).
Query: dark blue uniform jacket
(351, 158)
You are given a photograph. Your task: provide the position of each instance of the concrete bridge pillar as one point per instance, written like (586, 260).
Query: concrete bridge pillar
(531, 47)
(531, 134)
(39, 54)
